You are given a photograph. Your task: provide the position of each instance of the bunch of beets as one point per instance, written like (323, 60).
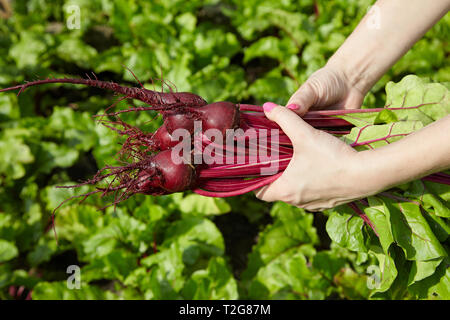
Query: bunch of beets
(240, 149)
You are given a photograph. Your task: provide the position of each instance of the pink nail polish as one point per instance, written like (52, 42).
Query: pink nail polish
(293, 106)
(268, 106)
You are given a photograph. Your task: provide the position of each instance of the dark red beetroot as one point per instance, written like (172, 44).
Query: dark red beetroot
(162, 139)
(219, 115)
(166, 174)
(181, 120)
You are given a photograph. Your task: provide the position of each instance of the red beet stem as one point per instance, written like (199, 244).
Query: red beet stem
(437, 179)
(244, 170)
(317, 122)
(238, 192)
(363, 216)
(319, 113)
(228, 184)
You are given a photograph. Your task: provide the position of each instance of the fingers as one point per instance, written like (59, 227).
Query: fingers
(297, 130)
(291, 124)
(305, 97)
(272, 192)
(259, 193)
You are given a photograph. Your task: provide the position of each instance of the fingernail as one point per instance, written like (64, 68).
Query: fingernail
(293, 106)
(268, 106)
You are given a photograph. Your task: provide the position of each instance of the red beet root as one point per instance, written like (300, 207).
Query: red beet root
(220, 116)
(166, 174)
(180, 120)
(162, 138)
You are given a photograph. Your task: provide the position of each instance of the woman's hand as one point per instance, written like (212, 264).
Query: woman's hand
(384, 35)
(327, 88)
(324, 171)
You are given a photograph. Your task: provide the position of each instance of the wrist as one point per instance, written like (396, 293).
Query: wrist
(369, 173)
(354, 179)
(355, 73)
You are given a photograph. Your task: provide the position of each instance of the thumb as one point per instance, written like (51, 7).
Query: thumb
(291, 124)
(303, 98)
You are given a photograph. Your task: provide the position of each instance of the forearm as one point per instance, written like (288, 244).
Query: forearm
(419, 154)
(383, 36)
